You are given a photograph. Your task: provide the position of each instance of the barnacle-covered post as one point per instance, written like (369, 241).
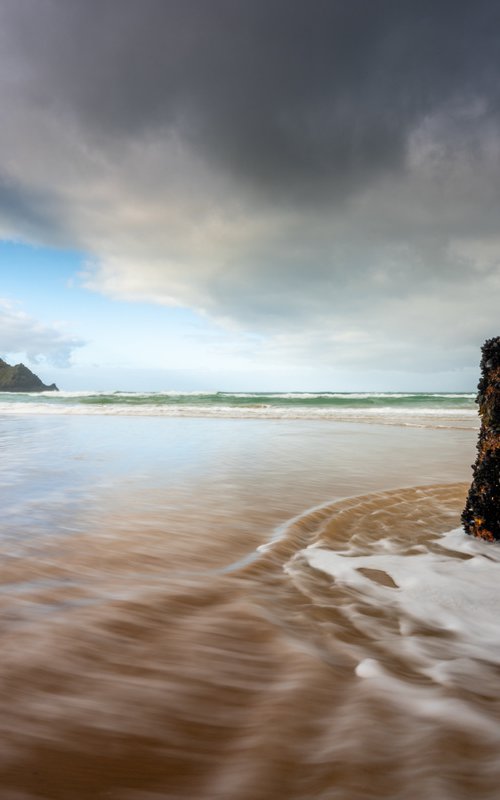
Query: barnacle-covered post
(481, 515)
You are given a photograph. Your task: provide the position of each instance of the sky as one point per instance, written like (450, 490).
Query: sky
(250, 194)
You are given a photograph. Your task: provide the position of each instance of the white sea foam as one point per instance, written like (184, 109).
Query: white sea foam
(435, 417)
(274, 395)
(453, 587)
(350, 395)
(117, 393)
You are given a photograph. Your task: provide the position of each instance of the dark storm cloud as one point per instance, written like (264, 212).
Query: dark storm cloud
(36, 209)
(313, 98)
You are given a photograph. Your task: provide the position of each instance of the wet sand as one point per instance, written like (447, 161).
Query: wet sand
(150, 650)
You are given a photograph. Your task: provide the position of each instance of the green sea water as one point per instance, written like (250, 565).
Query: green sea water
(447, 409)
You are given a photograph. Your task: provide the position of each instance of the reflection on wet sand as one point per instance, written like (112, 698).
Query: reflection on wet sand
(133, 670)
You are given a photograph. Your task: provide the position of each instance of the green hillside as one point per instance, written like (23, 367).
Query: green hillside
(21, 379)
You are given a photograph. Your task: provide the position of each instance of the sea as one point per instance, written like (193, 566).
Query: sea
(414, 408)
(244, 596)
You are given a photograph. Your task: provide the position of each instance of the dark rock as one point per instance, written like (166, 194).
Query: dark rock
(21, 379)
(481, 515)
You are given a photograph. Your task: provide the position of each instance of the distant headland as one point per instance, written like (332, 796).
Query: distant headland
(21, 379)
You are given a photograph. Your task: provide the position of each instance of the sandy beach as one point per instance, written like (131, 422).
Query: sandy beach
(174, 625)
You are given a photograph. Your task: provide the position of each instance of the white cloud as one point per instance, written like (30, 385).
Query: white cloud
(23, 335)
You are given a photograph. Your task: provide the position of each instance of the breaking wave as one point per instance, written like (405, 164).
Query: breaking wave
(414, 409)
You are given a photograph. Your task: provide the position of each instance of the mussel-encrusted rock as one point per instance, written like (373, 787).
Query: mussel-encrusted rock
(481, 515)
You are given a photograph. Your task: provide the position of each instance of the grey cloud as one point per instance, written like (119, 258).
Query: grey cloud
(312, 99)
(30, 212)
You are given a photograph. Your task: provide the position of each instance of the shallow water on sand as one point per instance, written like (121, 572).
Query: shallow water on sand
(150, 650)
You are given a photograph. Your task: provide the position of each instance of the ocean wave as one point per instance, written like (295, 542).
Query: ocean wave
(396, 408)
(378, 399)
(423, 417)
(351, 395)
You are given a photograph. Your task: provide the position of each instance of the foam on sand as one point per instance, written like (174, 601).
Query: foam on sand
(451, 586)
